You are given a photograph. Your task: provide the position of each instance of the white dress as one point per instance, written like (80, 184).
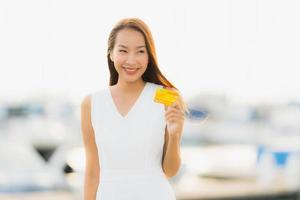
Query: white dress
(130, 148)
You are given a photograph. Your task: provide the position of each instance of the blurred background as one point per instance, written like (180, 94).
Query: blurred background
(236, 63)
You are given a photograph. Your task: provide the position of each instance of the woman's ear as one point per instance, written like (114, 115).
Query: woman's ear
(111, 56)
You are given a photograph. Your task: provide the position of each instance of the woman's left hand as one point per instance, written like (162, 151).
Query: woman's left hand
(175, 119)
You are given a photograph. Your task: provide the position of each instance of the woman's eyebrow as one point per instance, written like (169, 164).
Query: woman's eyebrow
(121, 45)
(124, 46)
(142, 46)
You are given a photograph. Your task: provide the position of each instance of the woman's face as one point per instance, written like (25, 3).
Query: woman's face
(129, 55)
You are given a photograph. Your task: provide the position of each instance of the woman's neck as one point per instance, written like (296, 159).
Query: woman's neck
(129, 87)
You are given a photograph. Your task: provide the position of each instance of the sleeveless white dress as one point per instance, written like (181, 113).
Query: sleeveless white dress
(130, 148)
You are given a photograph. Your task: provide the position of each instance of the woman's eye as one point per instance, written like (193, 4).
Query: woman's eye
(121, 50)
(142, 51)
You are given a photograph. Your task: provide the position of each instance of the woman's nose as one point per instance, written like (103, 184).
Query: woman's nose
(131, 59)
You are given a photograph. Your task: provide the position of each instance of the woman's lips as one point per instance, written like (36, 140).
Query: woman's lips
(130, 71)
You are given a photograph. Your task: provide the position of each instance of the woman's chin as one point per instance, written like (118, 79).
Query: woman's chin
(131, 78)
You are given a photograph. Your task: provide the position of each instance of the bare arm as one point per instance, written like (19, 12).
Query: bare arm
(171, 155)
(174, 115)
(92, 168)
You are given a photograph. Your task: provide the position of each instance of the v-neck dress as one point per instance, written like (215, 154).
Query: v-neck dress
(130, 148)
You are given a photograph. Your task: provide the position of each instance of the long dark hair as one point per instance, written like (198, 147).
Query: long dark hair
(152, 73)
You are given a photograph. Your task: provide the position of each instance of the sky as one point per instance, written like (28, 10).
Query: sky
(247, 50)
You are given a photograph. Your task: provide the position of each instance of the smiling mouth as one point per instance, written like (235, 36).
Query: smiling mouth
(130, 70)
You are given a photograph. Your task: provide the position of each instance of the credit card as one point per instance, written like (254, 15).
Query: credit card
(165, 96)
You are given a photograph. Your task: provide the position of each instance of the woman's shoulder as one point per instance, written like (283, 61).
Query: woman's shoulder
(86, 103)
(87, 99)
(155, 85)
(98, 92)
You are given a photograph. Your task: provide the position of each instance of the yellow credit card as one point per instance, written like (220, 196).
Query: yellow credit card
(165, 96)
